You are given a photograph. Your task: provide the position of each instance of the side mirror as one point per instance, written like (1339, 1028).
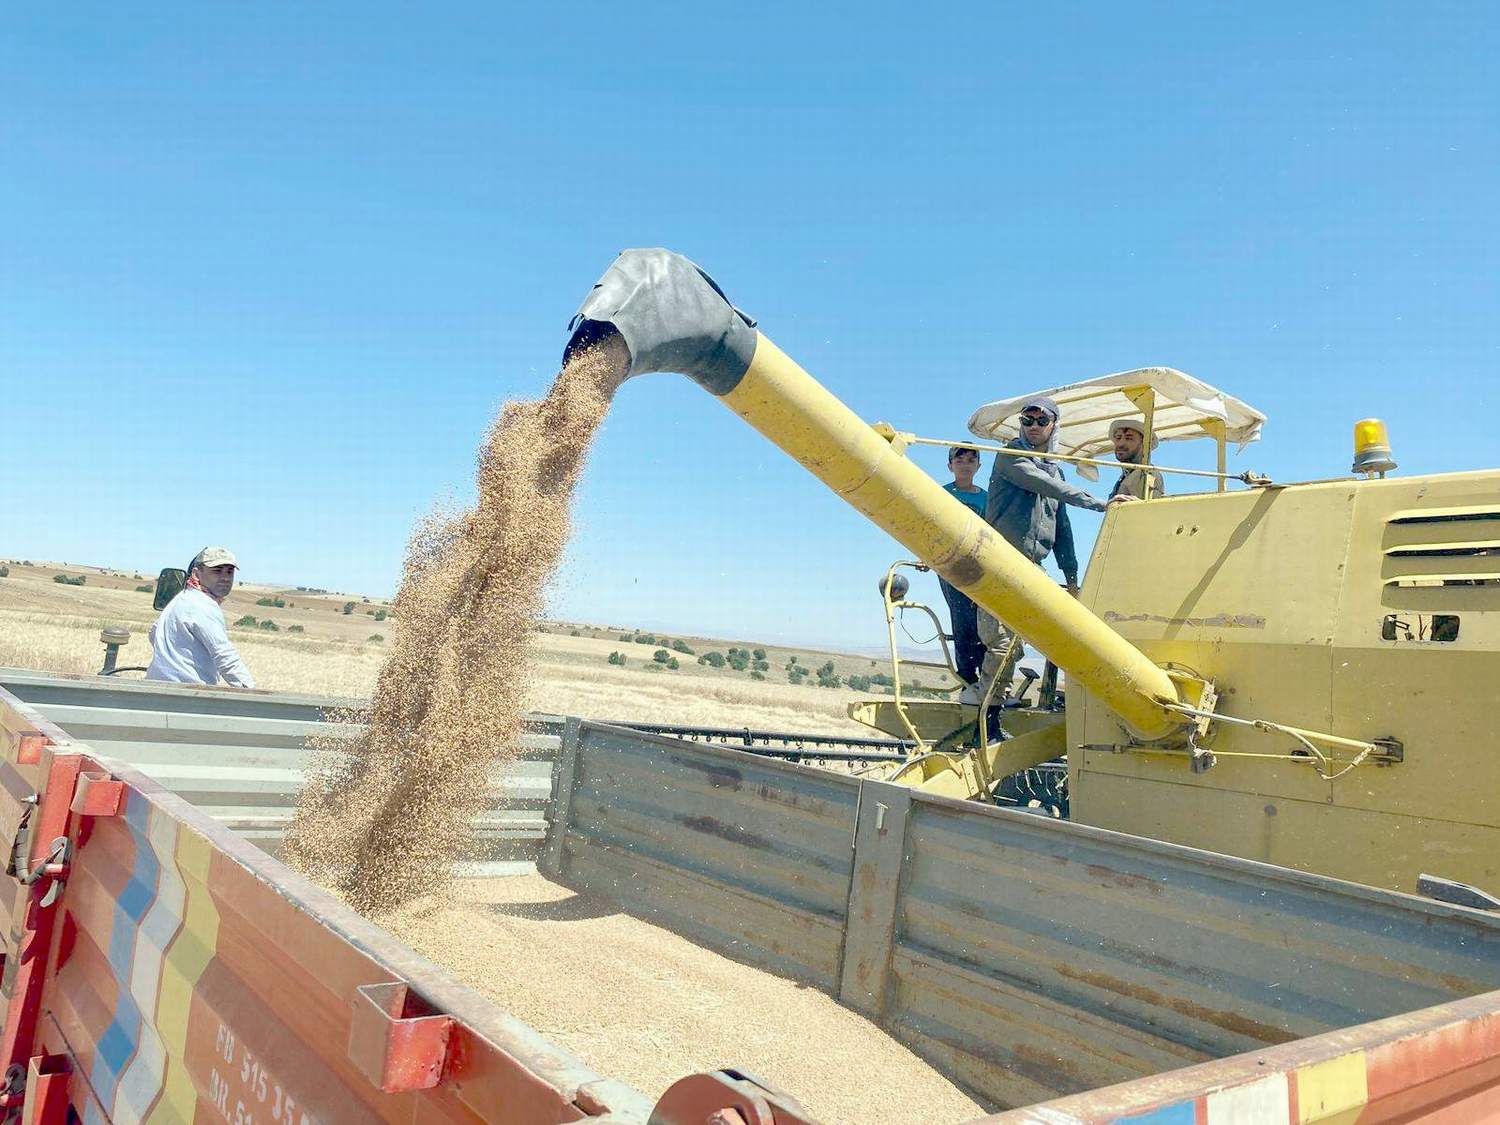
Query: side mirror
(169, 584)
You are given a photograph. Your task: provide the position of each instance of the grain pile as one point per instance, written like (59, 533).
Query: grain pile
(642, 1004)
(383, 819)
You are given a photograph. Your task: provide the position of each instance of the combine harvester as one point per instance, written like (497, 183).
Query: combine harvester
(160, 968)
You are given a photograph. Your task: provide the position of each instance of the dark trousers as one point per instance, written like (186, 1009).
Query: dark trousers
(968, 650)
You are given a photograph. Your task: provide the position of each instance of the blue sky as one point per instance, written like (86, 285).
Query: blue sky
(266, 272)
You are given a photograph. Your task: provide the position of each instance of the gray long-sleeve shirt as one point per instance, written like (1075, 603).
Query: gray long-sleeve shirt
(189, 644)
(1028, 500)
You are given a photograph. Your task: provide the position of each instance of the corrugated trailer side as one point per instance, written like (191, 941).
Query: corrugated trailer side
(241, 756)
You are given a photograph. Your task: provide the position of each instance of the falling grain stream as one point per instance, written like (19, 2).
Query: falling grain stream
(382, 820)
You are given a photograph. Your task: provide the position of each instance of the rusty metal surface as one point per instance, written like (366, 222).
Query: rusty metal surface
(1440, 1064)
(1034, 958)
(745, 854)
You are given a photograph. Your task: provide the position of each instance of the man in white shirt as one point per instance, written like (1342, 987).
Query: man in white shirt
(189, 643)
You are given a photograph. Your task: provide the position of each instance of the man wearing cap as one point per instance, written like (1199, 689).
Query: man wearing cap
(1129, 436)
(189, 643)
(968, 650)
(1028, 505)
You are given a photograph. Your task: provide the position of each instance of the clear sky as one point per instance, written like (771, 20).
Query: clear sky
(267, 271)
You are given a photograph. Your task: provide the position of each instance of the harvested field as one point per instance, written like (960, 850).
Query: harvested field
(644, 1005)
(318, 650)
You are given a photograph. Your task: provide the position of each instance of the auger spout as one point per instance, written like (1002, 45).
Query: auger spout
(672, 317)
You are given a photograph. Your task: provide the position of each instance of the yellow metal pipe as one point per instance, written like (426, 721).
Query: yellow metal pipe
(796, 413)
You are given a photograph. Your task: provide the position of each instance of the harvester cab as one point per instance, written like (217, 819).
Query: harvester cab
(1300, 674)
(1168, 406)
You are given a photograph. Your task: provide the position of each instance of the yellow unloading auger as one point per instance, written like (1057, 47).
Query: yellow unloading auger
(673, 317)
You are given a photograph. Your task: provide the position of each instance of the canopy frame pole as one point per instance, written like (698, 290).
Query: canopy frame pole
(1220, 432)
(890, 433)
(1145, 399)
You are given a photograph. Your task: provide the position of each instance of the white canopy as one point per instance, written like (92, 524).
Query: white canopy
(1184, 409)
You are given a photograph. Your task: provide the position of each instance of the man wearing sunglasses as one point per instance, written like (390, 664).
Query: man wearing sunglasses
(1028, 505)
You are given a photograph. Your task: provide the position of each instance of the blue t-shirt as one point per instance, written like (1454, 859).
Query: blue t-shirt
(974, 500)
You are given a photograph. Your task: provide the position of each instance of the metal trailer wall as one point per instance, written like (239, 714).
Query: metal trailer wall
(1027, 958)
(744, 854)
(240, 756)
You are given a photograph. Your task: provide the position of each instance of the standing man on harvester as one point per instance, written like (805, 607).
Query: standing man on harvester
(968, 649)
(1129, 437)
(1028, 500)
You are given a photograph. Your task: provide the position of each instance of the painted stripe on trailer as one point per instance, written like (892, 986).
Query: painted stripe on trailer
(191, 950)
(117, 1046)
(1183, 1113)
(1333, 1092)
(141, 1083)
(1260, 1102)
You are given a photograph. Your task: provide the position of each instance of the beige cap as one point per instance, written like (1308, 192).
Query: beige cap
(216, 556)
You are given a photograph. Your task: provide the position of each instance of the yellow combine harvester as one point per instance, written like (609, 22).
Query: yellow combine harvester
(1295, 673)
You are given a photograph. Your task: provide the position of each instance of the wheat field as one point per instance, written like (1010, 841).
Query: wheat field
(49, 626)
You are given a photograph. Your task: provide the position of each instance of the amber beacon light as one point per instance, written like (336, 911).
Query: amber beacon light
(1372, 448)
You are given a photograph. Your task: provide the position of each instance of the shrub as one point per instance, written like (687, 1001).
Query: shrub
(792, 663)
(672, 663)
(626, 637)
(827, 677)
(348, 608)
(661, 656)
(70, 579)
(645, 638)
(882, 679)
(138, 589)
(681, 646)
(270, 626)
(759, 654)
(859, 683)
(762, 665)
(5, 573)
(739, 661)
(575, 633)
(652, 667)
(381, 615)
(377, 637)
(294, 629)
(275, 602)
(247, 622)
(617, 658)
(712, 659)
(757, 675)
(796, 675)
